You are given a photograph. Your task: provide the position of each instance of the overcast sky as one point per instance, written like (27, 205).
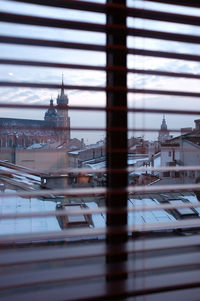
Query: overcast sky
(78, 77)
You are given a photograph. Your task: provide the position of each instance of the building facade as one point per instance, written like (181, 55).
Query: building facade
(183, 150)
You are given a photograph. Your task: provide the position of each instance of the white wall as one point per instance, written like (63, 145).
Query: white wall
(42, 159)
(165, 156)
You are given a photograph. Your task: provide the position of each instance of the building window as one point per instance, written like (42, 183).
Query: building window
(166, 174)
(177, 174)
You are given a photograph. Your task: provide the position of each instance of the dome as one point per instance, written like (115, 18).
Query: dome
(51, 112)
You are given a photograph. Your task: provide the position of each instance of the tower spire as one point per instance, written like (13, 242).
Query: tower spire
(62, 80)
(63, 121)
(62, 87)
(62, 99)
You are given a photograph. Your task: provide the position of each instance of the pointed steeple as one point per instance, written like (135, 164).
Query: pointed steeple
(62, 99)
(164, 124)
(62, 87)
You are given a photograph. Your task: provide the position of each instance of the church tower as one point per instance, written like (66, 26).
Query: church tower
(163, 135)
(63, 120)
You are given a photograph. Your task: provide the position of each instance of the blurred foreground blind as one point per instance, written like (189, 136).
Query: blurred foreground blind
(118, 220)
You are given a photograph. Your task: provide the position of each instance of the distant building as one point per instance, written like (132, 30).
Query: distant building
(183, 150)
(197, 124)
(41, 159)
(89, 154)
(186, 130)
(138, 145)
(21, 133)
(163, 134)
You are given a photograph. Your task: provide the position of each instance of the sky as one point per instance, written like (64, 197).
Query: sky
(80, 77)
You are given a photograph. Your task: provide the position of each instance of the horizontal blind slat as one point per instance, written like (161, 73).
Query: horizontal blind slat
(70, 4)
(96, 291)
(83, 232)
(100, 108)
(101, 8)
(88, 26)
(91, 271)
(96, 250)
(102, 190)
(92, 47)
(102, 89)
(96, 68)
(101, 210)
(191, 3)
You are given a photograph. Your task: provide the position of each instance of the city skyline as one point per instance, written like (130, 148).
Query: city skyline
(98, 78)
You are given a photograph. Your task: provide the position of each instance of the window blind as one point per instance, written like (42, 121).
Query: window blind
(119, 260)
